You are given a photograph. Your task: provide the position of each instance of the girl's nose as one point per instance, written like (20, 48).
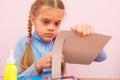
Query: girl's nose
(51, 27)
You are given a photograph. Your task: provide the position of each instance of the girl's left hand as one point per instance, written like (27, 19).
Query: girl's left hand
(83, 30)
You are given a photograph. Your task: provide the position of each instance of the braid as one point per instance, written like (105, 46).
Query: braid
(27, 57)
(29, 29)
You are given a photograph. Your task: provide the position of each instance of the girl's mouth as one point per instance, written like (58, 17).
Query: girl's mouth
(49, 34)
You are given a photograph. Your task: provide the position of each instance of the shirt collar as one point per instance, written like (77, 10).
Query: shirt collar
(36, 37)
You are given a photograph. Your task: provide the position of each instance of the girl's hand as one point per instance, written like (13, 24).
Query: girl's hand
(45, 62)
(83, 30)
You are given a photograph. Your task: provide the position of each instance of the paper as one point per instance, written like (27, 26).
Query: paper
(75, 49)
(56, 57)
(79, 50)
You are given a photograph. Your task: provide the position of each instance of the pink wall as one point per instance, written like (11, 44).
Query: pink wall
(103, 15)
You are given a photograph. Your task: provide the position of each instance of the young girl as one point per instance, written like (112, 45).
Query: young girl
(33, 52)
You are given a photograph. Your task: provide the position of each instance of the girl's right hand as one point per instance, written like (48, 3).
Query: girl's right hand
(45, 62)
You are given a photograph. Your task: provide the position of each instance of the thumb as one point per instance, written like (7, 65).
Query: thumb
(73, 29)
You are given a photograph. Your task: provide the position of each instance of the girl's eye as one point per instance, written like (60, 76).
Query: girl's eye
(57, 23)
(45, 21)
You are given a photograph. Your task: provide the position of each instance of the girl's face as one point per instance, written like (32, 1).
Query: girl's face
(47, 23)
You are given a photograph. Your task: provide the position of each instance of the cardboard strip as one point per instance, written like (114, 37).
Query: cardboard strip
(56, 57)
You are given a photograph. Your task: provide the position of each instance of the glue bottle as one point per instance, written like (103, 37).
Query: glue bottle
(10, 71)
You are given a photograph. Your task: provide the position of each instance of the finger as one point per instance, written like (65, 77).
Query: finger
(73, 28)
(62, 58)
(91, 30)
(48, 63)
(84, 31)
(88, 30)
(50, 55)
(79, 30)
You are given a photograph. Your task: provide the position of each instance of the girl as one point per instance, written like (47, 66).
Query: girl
(33, 52)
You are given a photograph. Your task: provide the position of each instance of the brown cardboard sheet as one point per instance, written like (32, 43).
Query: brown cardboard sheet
(75, 49)
(84, 50)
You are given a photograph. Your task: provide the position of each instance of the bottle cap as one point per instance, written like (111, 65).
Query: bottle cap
(11, 59)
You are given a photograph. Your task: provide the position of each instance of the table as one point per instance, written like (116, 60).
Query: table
(1, 78)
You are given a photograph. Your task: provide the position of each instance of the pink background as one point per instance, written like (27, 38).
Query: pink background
(103, 15)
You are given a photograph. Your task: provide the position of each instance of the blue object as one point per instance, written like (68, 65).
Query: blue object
(46, 78)
(30, 78)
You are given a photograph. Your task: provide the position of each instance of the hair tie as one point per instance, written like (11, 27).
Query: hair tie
(28, 40)
(28, 79)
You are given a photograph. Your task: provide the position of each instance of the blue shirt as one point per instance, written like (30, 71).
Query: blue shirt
(40, 48)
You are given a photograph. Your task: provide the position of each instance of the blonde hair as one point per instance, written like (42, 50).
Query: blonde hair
(27, 58)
